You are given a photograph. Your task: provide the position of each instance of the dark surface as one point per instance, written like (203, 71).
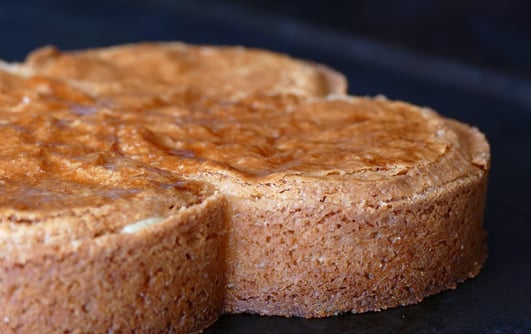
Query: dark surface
(494, 34)
(499, 299)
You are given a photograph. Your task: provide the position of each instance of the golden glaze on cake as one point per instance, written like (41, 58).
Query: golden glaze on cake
(337, 203)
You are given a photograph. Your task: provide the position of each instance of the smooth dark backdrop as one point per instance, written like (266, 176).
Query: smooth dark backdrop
(495, 34)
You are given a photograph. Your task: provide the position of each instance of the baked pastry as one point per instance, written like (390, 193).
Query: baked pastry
(97, 253)
(92, 241)
(336, 203)
(156, 71)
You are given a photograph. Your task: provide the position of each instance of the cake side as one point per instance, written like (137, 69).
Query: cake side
(166, 276)
(125, 247)
(351, 244)
(323, 192)
(313, 256)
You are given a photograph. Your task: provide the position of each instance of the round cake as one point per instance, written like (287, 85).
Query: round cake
(93, 241)
(248, 180)
(338, 204)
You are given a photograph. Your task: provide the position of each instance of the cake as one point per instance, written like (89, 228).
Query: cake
(156, 71)
(92, 241)
(338, 204)
(294, 198)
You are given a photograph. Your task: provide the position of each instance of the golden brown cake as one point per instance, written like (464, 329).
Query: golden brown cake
(156, 71)
(335, 203)
(339, 204)
(92, 241)
(98, 253)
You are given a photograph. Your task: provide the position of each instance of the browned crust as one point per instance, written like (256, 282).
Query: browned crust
(224, 72)
(318, 258)
(334, 82)
(297, 243)
(165, 277)
(314, 247)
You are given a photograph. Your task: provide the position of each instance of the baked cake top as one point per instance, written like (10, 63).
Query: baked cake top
(269, 137)
(83, 124)
(160, 69)
(58, 164)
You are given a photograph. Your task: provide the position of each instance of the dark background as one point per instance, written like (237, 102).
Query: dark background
(468, 59)
(495, 34)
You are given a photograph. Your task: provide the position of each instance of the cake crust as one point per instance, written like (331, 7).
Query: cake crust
(162, 278)
(160, 69)
(91, 240)
(161, 192)
(329, 217)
